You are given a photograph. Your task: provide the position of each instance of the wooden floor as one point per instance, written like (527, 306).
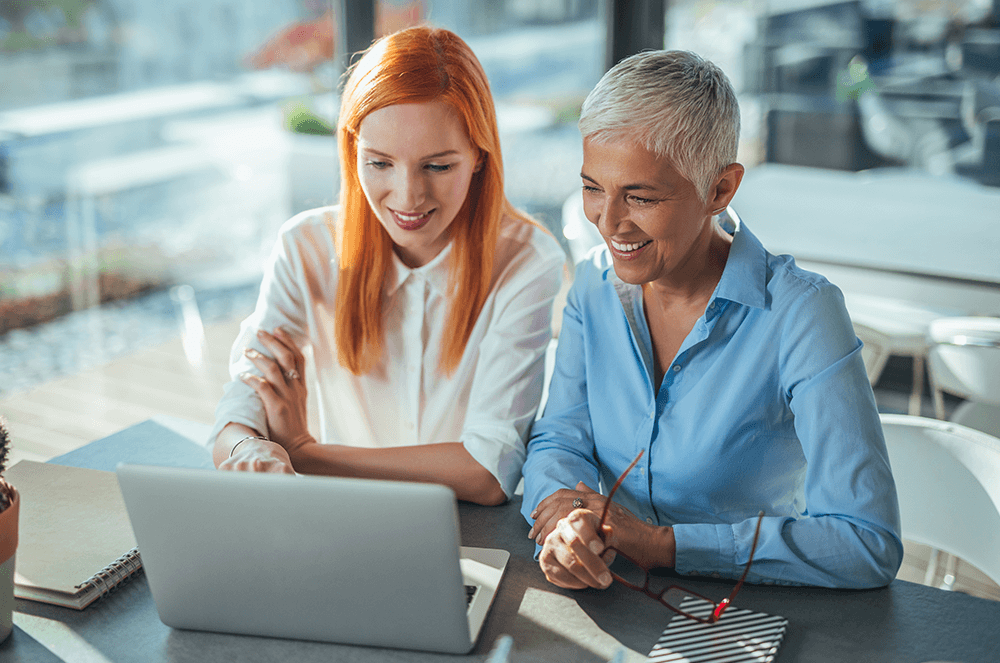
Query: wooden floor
(69, 412)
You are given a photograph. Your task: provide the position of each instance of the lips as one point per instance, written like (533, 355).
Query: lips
(411, 220)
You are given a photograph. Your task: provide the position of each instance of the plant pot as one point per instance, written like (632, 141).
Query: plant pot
(8, 545)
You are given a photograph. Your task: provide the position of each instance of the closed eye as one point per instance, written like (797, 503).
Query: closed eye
(376, 164)
(439, 167)
(641, 201)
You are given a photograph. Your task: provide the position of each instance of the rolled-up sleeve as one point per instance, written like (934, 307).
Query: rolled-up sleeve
(280, 303)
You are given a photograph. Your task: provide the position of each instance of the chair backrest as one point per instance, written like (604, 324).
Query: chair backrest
(948, 481)
(875, 351)
(964, 358)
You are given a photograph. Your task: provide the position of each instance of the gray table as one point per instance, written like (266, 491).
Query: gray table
(901, 622)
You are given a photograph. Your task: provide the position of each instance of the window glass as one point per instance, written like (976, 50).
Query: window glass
(141, 148)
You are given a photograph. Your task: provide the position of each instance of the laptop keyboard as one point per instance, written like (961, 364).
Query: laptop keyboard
(470, 593)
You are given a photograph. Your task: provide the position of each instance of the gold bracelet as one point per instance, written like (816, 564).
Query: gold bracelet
(248, 437)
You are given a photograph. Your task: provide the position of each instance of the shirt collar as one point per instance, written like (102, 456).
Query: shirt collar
(744, 279)
(436, 272)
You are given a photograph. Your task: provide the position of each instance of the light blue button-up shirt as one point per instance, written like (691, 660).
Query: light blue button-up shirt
(766, 406)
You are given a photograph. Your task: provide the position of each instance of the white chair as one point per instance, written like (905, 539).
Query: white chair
(965, 361)
(905, 324)
(948, 481)
(875, 351)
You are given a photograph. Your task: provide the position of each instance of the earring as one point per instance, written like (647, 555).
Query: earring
(719, 211)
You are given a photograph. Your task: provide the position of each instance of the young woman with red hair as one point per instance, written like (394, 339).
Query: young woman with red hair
(426, 298)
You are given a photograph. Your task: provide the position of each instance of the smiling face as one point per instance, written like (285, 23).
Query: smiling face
(651, 217)
(415, 164)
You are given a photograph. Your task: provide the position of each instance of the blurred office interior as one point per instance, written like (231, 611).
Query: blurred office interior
(150, 150)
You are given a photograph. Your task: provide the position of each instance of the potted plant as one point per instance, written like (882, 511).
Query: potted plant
(10, 503)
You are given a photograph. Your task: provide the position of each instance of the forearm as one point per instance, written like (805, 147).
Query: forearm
(228, 438)
(823, 551)
(445, 463)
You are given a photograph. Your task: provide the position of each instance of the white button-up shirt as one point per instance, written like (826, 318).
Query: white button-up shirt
(489, 401)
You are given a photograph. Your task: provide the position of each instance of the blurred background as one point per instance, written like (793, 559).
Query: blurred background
(149, 146)
(150, 150)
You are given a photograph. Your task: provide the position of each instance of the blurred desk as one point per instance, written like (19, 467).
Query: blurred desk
(887, 219)
(902, 622)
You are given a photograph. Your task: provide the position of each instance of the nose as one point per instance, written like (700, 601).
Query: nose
(411, 190)
(608, 215)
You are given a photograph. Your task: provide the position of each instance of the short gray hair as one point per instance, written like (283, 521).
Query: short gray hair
(674, 103)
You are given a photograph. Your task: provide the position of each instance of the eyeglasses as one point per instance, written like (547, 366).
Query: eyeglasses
(638, 578)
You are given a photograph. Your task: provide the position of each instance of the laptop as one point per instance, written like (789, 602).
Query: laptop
(350, 561)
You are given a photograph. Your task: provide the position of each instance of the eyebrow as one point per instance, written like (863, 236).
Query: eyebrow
(437, 155)
(627, 187)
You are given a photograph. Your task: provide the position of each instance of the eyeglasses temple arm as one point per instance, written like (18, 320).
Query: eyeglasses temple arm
(753, 548)
(614, 489)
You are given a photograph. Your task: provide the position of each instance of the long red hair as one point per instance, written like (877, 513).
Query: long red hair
(415, 65)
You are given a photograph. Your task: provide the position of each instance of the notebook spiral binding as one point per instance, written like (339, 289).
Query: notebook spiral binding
(113, 575)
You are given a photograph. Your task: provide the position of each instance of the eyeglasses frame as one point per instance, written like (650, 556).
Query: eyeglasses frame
(720, 607)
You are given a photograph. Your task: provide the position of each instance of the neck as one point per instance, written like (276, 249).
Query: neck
(693, 282)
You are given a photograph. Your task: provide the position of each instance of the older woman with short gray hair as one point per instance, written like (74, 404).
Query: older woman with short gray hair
(733, 372)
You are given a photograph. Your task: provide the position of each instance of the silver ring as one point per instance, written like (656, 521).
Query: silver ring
(292, 374)
(578, 503)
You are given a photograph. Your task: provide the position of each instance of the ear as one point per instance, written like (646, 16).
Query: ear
(480, 162)
(726, 184)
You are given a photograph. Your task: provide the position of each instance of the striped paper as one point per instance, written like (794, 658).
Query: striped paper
(740, 635)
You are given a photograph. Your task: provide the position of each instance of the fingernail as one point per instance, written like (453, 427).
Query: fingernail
(605, 579)
(534, 514)
(531, 533)
(595, 547)
(250, 352)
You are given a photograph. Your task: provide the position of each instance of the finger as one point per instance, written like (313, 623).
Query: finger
(546, 524)
(585, 547)
(560, 495)
(547, 508)
(299, 359)
(282, 353)
(584, 488)
(555, 572)
(269, 367)
(263, 388)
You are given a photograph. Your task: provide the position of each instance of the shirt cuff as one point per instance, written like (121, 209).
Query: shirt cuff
(502, 453)
(706, 550)
(238, 408)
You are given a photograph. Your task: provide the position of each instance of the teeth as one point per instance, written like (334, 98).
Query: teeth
(625, 248)
(411, 217)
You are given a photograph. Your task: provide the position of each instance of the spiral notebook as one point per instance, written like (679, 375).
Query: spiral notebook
(75, 543)
(739, 636)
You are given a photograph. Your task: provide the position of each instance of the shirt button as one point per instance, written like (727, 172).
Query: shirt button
(716, 575)
(677, 367)
(649, 521)
(712, 305)
(409, 425)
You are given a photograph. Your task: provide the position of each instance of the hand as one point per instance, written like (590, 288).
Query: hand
(282, 389)
(255, 455)
(573, 554)
(559, 504)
